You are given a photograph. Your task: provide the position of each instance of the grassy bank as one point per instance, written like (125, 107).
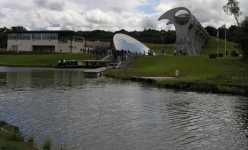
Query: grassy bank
(214, 43)
(197, 73)
(37, 60)
(225, 75)
(211, 47)
(11, 139)
(161, 48)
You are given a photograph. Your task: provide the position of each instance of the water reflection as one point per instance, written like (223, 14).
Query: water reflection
(34, 79)
(109, 114)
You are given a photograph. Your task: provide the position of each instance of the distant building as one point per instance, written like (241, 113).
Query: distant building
(46, 41)
(98, 44)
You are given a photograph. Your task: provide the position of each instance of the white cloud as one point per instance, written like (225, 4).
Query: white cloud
(105, 14)
(208, 12)
(50, 4)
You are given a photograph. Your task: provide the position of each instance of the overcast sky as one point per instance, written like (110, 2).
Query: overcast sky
(107, 14)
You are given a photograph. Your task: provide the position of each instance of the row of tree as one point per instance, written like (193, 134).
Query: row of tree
(146, 36)
(223, 32)
(243, 37)
(3, 37)
(239, 33)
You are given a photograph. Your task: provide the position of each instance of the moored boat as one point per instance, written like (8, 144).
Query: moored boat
(69, 64)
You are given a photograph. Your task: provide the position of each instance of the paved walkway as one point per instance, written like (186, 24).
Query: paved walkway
(156, 78)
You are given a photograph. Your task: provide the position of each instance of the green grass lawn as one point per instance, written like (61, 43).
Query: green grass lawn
(10, 139)
(192, 68)
(227, 75)
(41, 60)
(160, 48)
(211, 47)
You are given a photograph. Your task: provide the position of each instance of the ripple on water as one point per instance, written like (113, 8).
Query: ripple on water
(109, 114)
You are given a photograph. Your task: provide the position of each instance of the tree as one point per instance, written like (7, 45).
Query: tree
(3, 37)
(233, 33)
(232, 8)
(243, 37)
(212, 31)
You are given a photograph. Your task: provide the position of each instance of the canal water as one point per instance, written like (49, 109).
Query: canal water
(107, 114)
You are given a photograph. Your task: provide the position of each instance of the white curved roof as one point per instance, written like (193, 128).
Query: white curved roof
(127, 43)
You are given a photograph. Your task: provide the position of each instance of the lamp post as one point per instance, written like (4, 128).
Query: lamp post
(217, 41)
(225, 40)
(224, 27)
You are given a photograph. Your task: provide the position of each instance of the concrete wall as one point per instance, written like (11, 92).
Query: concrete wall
(67, 47)
(27, 45)
(97, 44)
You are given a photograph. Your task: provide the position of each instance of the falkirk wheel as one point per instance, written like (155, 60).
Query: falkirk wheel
(191, 36)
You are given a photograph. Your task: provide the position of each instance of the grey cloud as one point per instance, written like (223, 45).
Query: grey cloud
(208, 12)
(15, 5)
(53, 5)
(99, 17)
(97, 14)
(149, 23)
(244, 7)
(105, 14)
(2, 15)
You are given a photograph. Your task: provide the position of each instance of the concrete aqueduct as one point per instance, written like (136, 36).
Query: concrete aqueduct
(191, 36)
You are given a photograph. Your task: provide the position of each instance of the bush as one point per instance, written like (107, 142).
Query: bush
(213, 56)
(14, 137)
(234, 54)
(47, 145)
(220, 55)
(2, 123)
(31, 141)
(243, 37)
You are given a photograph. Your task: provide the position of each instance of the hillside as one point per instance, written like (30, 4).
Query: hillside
(37, 60)
(211, 47)
(199, 73)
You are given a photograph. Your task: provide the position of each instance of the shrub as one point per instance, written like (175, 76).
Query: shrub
(31, 140)
(220, 55)
(47, 145)
(243, 37)
(2, 123)
(234, 54)
(12, 136)
(213, 56)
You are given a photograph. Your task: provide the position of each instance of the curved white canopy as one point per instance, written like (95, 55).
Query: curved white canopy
(127, 43)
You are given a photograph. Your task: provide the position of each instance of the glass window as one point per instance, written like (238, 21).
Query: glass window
(36, 36)
(127, 43)
(49, 36)
(19, 36)
(22, 36)
(78, 38)
(25, 36)
(12, 36)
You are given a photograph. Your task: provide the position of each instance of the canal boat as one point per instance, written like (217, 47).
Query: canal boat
(68, 64)
(94, 73)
